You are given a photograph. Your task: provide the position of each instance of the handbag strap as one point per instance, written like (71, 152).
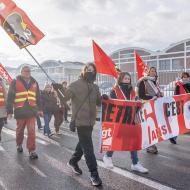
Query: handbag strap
(89, 92)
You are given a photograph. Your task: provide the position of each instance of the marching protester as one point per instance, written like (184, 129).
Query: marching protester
(85, 96)
(123, 90)
(49, 106)
(181, 87)
(38, 120)
(24, 96)
(3, 97)
(67, 108)
(147, 89)
(59, 112)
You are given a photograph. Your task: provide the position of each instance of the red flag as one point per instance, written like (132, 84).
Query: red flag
(142, 68)
(18, 25)
(4, 74)
(104, 64)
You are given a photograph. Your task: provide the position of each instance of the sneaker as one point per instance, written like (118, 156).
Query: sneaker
(139, 168)
(75, 168)
(173, 140)
(50, 135)
(152, 149)
(95, 179)
(58, 133)
(108, 162)
(33, 155)
(19, 149)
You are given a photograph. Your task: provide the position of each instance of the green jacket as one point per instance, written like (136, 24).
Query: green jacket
(86, 94)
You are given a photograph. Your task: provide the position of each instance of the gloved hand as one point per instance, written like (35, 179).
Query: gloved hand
(105, 97)
(56, 86)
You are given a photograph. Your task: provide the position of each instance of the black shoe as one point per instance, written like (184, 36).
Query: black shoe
(173, 141)
(40, 128)
(19, 149)
(50, 135)
(95, 179)
(75, 168)
(152, 149)
(33, 155)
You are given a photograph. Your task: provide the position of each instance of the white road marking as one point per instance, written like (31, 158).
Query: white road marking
(64, 168)
(131, 176)
(2, 184)
(39, 172)
(1, 148)
(116, 170)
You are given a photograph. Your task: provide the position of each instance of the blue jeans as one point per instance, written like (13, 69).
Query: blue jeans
(134, 156)
(47, 119)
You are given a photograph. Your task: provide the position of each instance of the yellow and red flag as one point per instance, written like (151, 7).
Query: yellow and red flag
(4, 74)
(103, 62)
(142, 68)
(18, 25)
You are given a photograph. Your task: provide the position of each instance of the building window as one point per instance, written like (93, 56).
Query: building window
(177, 64)
(152, 64)
(176, 48)
(126, 55)
(51, 70)
(188, 43)
(188, 63)
(188, 48)
(164, 65)
(115, 56)
(126, 51)
(129, 67)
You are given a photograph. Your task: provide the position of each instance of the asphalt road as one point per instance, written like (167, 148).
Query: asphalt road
(170, 169)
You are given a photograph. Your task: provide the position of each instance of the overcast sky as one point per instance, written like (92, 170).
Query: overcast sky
(70, 25)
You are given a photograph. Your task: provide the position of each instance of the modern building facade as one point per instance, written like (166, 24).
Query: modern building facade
(57, 70)
(169, 63)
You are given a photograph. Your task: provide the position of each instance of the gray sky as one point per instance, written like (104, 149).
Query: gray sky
(70, 25)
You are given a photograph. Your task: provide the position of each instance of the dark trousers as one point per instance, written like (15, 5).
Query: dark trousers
(58, 115)
(38, 122)
(85, 146)
(65, 114)
(2, 122)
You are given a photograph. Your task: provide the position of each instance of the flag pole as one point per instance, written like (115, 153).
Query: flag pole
(39, 64)
(42, 69)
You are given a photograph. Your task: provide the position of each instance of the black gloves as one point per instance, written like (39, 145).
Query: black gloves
(105, 97)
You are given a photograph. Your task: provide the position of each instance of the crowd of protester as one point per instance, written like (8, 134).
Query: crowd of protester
(29, 105)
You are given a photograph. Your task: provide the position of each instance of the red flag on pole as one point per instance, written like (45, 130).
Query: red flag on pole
(103, 62)
(18, 25)
(4, 74)
(142, 68)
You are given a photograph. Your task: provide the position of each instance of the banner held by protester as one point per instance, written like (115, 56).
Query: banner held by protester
(128, 125)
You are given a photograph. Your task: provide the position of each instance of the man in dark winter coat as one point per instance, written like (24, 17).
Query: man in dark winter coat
(24, 96)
